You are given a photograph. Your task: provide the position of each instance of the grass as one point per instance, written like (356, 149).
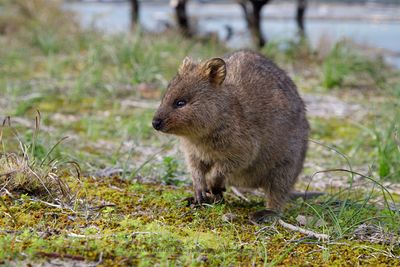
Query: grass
(387, 151)
(344, 65)
(34, 171)
(101, 91)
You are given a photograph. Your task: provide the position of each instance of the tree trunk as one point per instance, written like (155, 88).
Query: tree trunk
(252, 12)
(134, 13)
(301, 9)
(181, 17)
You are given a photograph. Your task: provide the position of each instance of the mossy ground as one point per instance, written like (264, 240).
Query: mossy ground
(101, 91)
(133, 223)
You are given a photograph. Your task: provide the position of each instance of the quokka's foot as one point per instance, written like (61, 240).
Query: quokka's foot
(208, 199)
(262, 216)
(216, 198)
(191, 201)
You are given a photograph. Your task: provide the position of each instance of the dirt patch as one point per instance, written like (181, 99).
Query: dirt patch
(330, 106)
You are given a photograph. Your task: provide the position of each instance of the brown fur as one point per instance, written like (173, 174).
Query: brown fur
(243, 124)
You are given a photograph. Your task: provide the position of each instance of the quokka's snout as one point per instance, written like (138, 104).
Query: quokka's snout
(157, 123)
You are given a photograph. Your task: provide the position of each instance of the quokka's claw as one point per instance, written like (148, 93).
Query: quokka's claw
(201, 197)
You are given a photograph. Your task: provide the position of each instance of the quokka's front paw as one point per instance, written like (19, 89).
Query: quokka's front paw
(200, 197)
(190, 201)
(204, 199)
(215, 198)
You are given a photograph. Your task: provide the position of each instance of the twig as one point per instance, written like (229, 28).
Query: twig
(14, 220)
(81, 236)
(46, 203)
(17, 232)
(100, 259)
(142, 233)
(9, 172)
(61, 207)
(62, 256)
(101, 207)
(303, 231)
(377, 251)
(267, 227)
(73, 235)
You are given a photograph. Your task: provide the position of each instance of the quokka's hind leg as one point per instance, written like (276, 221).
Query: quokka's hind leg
(277, 193)
(279, 187)
(274, 203)
(276, 199)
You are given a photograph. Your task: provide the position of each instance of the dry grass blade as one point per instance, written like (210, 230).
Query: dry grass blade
(18, 175)
(375, 234)
(22, 172)
(14, 220)
(52, 149)
(396, 138)
(385, 191)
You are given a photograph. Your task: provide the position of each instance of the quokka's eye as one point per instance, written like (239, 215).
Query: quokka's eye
(180, 103)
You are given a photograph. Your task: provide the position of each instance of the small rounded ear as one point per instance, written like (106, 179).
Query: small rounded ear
(214, 70)
(186, 64)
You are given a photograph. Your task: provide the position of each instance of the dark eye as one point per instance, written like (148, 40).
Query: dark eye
(180, 103)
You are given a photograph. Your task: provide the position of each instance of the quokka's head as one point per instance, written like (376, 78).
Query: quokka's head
(192, 102)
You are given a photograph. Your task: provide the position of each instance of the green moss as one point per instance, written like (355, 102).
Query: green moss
(325, 129)
(147, 224)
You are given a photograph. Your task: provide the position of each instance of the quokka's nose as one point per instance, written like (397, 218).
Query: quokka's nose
(157, 124)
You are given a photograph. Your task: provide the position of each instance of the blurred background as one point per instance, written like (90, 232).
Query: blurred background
(374, 24)
(96, 71)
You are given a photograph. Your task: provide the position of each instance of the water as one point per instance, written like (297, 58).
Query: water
(371, 25)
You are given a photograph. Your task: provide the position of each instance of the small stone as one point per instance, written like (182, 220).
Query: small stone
(301, 219)
(229, 217)
(202, 258)
(304, 220)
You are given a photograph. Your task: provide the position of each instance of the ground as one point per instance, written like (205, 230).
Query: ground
(111, 192)
(134, 223)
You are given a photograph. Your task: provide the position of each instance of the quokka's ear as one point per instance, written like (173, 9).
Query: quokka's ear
(214, 70)
(186, 64)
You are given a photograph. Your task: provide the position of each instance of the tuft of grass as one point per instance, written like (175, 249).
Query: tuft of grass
(341, 213)
(33, 171)
(171, 171)
(388, 152)
(346, 209)
(344, 64)
(291, 51)
(43, 24)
